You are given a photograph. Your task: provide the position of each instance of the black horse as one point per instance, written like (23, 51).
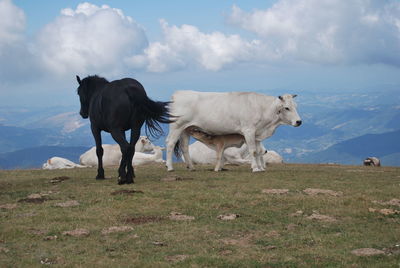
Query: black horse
(116, 107)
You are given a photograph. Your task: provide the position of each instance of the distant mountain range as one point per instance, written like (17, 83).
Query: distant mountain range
(385, 146)
(337, 127)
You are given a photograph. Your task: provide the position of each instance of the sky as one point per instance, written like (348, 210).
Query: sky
(245, 45)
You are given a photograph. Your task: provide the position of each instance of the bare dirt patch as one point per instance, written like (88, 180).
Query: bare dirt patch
(242, 241)
(50, 237)
(176, 216)
(275, 191)
(116, 229)
(298, 213)
(385, 211)
(228, 217)
(127, 192)
(143, 219)
(56, 180)
(392, 202)
(311, 191)
(363, 252)
(176, 258)
(35, 198)
(320, 217)
(69, 203)
(8, 206)
(77, 233)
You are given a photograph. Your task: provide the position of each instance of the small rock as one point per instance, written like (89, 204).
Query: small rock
(8, 206)
(275, 191)
(297, 213)
(273, 234)
(77, 233)
(270, 247)
(116, 229)
(180, 217)
(159, 243)
(70, 203)
(311, 191)
(367, 252)
(228, 217)
(50, 237)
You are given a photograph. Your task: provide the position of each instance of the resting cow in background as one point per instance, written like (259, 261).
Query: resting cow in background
(252, 115)
(372, 161)
(116, 107)
(60, 163)
(112, 153)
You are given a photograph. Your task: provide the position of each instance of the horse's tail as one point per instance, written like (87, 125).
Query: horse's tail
(154, 113)
(177, 149)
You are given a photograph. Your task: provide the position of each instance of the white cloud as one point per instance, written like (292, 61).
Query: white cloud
(186, 46)
(12, 24)
(327, 31)
(89, 39)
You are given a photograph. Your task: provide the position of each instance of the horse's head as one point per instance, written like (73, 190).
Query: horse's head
(87, 87)
(83, 97)
(287, 110)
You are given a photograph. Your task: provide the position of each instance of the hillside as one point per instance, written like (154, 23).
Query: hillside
(289, 216)
(36, 156)
(386, 146)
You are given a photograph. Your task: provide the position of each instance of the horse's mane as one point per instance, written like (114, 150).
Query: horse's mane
(91, 83)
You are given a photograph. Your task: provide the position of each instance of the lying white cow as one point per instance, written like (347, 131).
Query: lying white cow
(112, 153)
(60, 163)
(143, 158)
(202, 154)
(253, 115)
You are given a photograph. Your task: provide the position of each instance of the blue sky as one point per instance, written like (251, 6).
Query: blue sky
(281, 45)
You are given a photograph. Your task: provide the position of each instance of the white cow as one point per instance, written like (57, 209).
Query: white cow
(143, 158)
(255, 116)
(112, 153)
(202, 154)
(60, 163)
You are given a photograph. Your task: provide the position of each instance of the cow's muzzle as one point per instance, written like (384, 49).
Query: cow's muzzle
(298, 123)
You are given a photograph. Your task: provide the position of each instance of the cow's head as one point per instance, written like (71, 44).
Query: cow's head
(287, 110)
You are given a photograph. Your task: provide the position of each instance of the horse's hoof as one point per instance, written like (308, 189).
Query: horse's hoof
(100, 178)
(256, 170)
(120, 182)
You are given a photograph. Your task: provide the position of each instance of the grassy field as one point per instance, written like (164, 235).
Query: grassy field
(287, 229)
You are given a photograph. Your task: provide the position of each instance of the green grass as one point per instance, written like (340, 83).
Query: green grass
(265, 234)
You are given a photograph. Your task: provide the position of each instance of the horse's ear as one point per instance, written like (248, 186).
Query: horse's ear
(294, 95)
(78, 79)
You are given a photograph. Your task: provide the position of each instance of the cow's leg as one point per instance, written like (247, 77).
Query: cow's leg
(99, 152)
(184, 140)
(219, 146)
(119, 137)
(172, 139)
(251, 144)
(259, 156)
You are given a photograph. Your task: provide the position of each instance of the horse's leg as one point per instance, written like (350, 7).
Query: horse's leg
(119, 137)
(135, 134)
(99, 152)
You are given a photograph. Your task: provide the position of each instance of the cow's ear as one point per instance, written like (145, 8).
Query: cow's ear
(280, 97)
(294, 95)
(78, 79)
